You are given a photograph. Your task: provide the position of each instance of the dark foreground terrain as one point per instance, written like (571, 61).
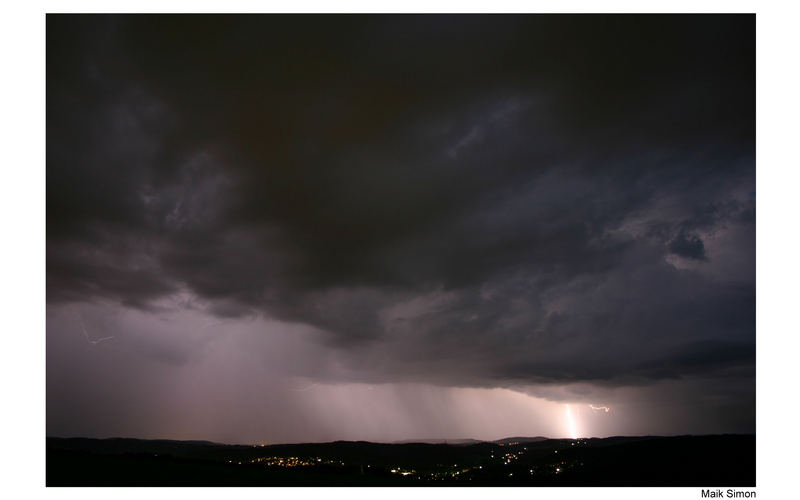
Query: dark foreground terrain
(726, 460)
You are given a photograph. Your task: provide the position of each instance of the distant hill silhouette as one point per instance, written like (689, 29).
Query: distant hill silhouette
(520, 440)
(722, 460)
(440, 441)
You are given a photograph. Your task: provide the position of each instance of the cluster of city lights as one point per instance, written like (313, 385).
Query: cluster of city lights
(403, 472)
(289, 461)
(507, 459)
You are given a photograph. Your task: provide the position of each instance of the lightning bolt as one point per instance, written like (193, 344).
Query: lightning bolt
(598, 408)
(86, 334)
(573, 432)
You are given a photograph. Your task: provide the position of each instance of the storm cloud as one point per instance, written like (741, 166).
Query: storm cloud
(459, 201)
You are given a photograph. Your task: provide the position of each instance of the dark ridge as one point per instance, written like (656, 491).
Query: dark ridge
(518, 461)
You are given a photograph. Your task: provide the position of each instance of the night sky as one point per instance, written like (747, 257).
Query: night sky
(273, 228)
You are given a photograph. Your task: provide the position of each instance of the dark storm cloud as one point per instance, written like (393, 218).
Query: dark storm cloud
(473, 200)
(688, 245)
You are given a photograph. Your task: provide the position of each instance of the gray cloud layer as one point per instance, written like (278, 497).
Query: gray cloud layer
(469, 201)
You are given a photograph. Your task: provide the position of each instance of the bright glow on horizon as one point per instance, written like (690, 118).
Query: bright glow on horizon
(573, 432)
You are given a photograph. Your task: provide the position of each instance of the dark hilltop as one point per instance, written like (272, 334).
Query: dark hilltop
(615, 461)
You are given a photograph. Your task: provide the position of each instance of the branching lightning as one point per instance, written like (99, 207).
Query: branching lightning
(86, 334)
(599, 408)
